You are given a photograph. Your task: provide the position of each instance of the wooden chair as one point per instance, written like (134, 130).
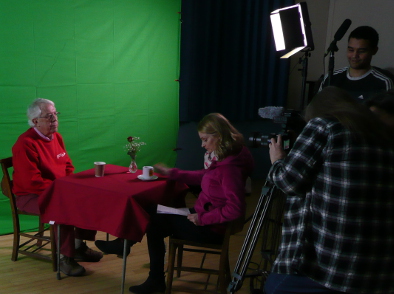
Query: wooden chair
(223, 270)
(29, 248)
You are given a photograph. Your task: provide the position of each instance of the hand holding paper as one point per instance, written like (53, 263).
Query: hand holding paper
(170, 210)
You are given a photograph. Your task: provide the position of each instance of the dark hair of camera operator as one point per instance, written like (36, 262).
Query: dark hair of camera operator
(383, 106)
(339, 218)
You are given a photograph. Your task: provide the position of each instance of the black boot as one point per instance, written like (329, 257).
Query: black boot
(114, 247)
(151, 285)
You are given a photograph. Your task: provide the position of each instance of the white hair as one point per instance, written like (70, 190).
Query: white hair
(34, 110)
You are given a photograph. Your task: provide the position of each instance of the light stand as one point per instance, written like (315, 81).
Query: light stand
(292, 32)
(304, 71)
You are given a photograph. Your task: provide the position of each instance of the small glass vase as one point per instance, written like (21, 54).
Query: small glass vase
(133, 165)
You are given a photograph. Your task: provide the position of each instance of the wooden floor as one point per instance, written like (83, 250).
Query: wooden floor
(31, 276)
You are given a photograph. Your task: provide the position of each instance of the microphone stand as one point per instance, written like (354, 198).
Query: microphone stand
(333, 48)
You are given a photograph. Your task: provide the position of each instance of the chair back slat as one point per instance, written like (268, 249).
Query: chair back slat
(6, 182)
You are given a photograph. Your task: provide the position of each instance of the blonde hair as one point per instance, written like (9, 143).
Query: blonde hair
(230, 141)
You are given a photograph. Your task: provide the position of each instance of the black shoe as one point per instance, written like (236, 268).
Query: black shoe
(70, 267)
(151, 285)
(113, 247)
(84, 253)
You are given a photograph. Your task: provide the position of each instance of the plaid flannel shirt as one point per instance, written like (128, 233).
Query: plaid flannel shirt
(339, 219)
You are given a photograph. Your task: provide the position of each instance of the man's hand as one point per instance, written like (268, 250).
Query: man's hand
(193, 218)
(276, 149)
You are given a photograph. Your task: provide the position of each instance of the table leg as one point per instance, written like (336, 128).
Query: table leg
(58, 253)
(125, 243)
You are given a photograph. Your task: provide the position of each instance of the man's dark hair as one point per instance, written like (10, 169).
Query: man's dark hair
(366, 33)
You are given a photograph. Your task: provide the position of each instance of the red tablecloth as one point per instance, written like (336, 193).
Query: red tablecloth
(114, 203)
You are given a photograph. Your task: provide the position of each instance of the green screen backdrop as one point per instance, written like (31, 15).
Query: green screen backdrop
(110, 67)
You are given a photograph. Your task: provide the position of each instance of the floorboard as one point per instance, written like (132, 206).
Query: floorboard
(31, 276)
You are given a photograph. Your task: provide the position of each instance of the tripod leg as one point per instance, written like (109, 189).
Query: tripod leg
(251, 237)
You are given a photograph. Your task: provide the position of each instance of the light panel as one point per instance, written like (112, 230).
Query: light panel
(291, 29)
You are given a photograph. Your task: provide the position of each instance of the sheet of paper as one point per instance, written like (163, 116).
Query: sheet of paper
(170, 210)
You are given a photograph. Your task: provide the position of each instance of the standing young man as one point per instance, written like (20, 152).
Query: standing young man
(360, 78)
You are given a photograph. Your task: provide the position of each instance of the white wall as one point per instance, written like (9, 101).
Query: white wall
(326, 17)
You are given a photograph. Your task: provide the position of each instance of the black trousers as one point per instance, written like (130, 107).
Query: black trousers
(178, 226)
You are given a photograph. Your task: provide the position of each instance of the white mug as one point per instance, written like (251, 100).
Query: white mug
(99, 167)
(147, 172)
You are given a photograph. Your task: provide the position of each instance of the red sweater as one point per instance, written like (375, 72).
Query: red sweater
(37, 162)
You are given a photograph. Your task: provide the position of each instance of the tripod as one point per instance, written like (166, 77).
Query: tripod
(267, 218)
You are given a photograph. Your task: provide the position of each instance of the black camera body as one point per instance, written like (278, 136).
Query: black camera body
(258, 139)
(292, 125)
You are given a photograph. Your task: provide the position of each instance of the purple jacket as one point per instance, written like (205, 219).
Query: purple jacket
(222, 198)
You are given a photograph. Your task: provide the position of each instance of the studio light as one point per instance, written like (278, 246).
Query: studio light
(292, 29)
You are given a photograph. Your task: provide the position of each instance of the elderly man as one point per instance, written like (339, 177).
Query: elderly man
(40, 157)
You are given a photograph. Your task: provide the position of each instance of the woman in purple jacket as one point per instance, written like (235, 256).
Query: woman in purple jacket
(221, 200)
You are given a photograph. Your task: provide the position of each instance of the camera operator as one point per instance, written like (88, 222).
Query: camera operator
(338, 226)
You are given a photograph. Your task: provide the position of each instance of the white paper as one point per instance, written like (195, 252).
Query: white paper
(170, 210)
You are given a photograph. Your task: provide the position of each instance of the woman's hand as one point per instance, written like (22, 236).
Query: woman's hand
(276, 149)
(162, 169)
(193, 218)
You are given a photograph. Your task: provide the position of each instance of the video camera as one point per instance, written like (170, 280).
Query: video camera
(290, 120)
